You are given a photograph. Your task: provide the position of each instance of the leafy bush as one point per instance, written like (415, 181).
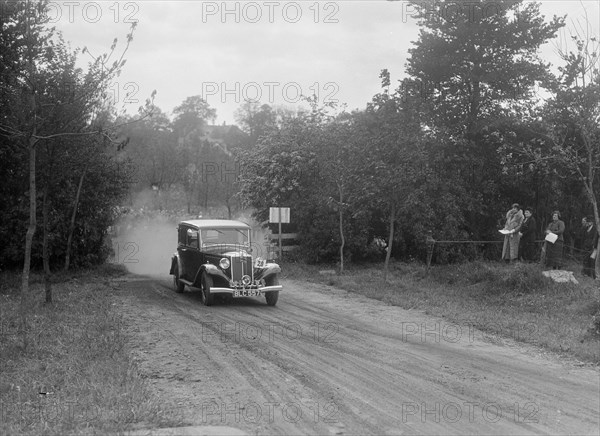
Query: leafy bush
(595, 324)
(522, 278)
(519, 278)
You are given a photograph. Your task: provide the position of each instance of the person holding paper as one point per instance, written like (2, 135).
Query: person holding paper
(589, 244)
(554, 241)
(514, 219)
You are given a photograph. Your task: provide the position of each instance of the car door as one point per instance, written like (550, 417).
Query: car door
(189, 254)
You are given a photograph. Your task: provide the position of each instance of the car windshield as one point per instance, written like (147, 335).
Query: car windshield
(225, 237)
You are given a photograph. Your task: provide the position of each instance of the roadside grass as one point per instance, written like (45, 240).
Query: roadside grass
(514, 301)
(76, 376)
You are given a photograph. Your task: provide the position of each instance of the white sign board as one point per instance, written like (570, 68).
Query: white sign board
(274, 214)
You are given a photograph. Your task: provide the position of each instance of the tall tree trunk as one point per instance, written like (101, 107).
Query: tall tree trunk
(73, 216)
(342, 238)
(597, 218)
(24, 303)
(588, 183)
(391, 241)
(45, 250)
(31, 143)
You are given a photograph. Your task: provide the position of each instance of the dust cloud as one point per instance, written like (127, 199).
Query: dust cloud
(145, 246)
(144, 241)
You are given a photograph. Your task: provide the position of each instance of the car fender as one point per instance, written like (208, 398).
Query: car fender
(269, 270)
(175, 261)
(211, 270)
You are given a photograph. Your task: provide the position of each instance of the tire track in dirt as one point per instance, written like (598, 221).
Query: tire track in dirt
(345, 364)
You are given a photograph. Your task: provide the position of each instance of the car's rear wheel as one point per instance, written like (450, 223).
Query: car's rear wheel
(272, 296)
(206, 296)
(177, 284)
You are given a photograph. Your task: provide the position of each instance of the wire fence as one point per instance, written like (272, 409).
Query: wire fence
(447, 250)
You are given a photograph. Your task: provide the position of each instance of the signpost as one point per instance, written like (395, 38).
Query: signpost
(279, 215)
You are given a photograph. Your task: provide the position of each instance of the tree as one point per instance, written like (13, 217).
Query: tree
(278, 169)
(255, 119)
(396, 160)
(338, 156)
(154, 151)
(191, 119)
(475, 65)
(192, 114)
(469, 61)
(572, 119)
(49, 97)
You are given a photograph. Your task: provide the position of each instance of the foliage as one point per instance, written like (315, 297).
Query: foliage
(80, 356)
(444, 151)
(424, 157)
(474, 70)
(55, 125)
(562, 140)
(256, 119)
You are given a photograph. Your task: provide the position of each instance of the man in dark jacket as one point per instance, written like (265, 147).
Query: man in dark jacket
(528, 228)
(589, 244)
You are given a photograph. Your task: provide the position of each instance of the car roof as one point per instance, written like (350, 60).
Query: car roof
(209, 224)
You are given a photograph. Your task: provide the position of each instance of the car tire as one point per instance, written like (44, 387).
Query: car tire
(272, 296)
(206, 296)
(177, 285)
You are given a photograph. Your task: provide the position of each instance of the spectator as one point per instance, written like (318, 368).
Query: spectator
(554, 250)
(514, 219)
(589, 245)
(527, 244)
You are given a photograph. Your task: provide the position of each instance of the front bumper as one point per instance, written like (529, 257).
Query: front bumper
(262, 289)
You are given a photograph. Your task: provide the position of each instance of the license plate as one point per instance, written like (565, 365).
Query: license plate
(246, 293)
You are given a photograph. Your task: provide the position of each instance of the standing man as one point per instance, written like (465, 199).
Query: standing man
(589, 243)
(527, 246)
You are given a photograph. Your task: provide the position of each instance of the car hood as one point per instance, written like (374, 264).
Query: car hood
(235, 254)
(226, 250)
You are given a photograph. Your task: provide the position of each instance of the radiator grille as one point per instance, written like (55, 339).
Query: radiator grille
(240, 266)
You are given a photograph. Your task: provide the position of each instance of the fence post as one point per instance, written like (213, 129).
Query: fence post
(430, 244)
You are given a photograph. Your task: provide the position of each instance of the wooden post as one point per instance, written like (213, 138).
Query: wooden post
(280, 251)
(430, 244)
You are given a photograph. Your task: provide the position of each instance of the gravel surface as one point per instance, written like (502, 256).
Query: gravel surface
(324, 361)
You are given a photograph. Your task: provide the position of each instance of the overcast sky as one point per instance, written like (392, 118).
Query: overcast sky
(271, 50)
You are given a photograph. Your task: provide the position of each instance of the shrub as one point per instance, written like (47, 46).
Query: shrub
(595, 325)
(521, 278)
(480, 272)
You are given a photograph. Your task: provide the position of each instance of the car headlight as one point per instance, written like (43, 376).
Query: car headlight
(224, 263)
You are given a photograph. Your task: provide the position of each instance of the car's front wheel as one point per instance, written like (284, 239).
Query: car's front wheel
(272, 296)
(206, 296)
(177, 284)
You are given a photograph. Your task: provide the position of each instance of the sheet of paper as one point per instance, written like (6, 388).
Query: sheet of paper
(505, 232)
(551, 237)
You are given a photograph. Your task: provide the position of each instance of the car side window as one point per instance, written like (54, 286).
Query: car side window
(181, 235)
(192, 238)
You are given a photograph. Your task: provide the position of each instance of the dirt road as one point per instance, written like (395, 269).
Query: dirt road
(324, 361)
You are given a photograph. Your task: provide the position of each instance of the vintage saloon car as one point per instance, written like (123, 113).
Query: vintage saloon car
(216, 256)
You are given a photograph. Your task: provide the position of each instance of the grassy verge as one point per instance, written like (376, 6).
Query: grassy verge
(75, 375)
(514, 301)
